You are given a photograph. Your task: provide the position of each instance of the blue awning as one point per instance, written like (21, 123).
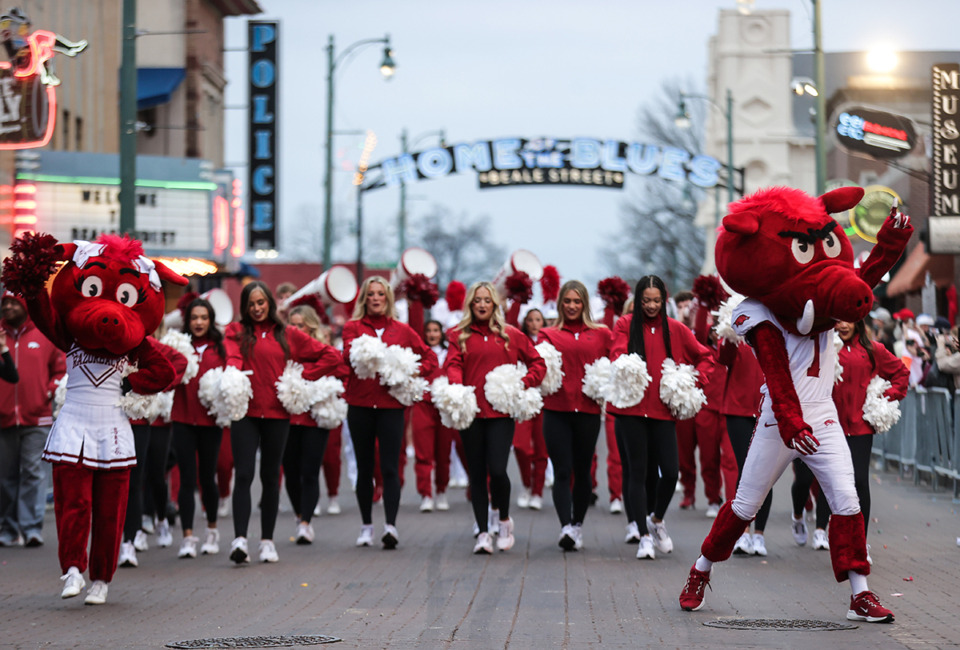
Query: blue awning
(155, 86)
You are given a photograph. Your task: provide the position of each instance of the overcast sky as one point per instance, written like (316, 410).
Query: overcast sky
(500, 68)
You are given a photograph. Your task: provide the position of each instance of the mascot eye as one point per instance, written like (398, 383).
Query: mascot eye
(127, 294)
(91, 287)
(802, 251)
(831, 245)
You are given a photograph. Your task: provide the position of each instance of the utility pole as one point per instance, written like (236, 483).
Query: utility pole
(128, 119)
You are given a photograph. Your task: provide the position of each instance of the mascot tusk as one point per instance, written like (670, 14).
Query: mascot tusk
(805, 322)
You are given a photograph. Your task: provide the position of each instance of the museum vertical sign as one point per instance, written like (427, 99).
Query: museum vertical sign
(263, 118)
(946, 139)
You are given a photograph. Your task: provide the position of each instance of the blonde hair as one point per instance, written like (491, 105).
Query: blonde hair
(310, 319)
(628, 306)
(360, 309)
(584, 295)
(497, 323)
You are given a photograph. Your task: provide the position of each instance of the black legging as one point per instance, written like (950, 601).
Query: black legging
(646, 438)
(367, 426)
(197, 450)
(740, 429)
(158, 453)
(486, 444)
(134, 519)
(571, 442)
(860, 450)
(301, 467)
(270, 435)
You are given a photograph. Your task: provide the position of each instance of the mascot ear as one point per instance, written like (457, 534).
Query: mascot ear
(742, 223)
(841, 199)
(169, 276)
(65, 251)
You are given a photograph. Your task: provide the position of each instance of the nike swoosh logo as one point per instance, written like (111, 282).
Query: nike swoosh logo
(770, 424)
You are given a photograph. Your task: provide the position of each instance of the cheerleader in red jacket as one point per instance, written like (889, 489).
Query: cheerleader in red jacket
(529, 447)
(647, 431)
(260, 344)
(571, 420)
(481, 342)
(374, 415)
(196, 436)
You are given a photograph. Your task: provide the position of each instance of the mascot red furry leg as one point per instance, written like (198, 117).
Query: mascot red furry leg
(101, 306)
(808, 282)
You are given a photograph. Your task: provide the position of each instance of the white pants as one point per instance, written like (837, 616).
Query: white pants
(768, 457)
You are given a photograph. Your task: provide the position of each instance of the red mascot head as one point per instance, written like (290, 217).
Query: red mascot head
(108, 295)
(781, 247)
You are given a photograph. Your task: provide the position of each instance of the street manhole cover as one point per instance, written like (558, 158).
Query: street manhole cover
(779, 624)
(256, 641)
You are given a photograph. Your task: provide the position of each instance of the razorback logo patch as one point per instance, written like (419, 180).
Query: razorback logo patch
(741, 319)
(829, 422)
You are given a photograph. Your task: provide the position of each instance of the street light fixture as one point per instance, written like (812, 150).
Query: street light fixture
(804, 86)
(682, 120)
(387, 69)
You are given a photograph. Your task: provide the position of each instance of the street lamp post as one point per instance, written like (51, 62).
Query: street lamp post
(821, 99)
(682, 120)
(402, 217)
(387, 68)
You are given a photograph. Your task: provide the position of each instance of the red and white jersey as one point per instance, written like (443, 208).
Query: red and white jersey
(813, 358)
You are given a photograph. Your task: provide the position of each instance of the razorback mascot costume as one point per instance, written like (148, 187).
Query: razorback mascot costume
(101, 305)
(781, 249)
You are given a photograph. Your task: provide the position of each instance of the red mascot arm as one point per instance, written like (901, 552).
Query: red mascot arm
(891, 242)
(41, 313)
(155, 373)
(771, 352)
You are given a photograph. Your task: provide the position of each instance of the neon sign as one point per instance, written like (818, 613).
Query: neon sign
(263, 74)
(879, 134)
(585, 162)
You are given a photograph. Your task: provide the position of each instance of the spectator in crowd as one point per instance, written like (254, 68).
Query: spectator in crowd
(948, 356)
(882, 323)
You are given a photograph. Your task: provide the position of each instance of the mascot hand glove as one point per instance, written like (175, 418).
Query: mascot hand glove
(804, 441)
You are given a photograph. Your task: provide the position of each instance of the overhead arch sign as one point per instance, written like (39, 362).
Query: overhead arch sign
(583, 162)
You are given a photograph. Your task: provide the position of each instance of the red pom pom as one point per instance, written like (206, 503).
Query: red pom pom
(419, 288)
(709, 291)
(550, 283)
(520, 287)
(32, 261)
(614, 292)
(455, 294)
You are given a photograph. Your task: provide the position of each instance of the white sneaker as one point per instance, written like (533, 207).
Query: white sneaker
(713, 510)
(869, 559)
(304, 533)
(616, 506)
(268, 552)
(212, 545)
(164, 536)
(493, 521)
(442, 504)
(661, 538)
(411, 452)
(140, 541)
(239, 552)
(958, 541)
(188, 547)
(820, 541)
(524, 499)
(744, 545)
(484, 545)
(505, 535)
(476, 529)
(317, 511)
(568, 538)
(146, 523)
(224, 509)
(800, 532)
(390, 537)
(578, 537)
(633, 533)
(426, 504)
(366, 536)
(333, 506)
(645, 548)
(128, 555)
(96, 594)
(759, 545)
(73, 583)
(536, 502)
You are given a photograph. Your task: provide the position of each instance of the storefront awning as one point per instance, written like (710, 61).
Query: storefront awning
(155, 86)
(913, 273)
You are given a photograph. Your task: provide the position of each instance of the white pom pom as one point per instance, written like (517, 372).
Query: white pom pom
(183, 343)
(878, 411)
(59, 395)
(505, 392)
(235, 394)
(724, 317)
(596, 376)
(128, 369)
(456, 403)
(366, 353)
(165, 405)
(141, 407)
(398, 365)
(837, 368)
(679, 391)
(628, 381)
(554, 377)
(330, 410)
(295, 393)
(410, 391)
(208, 387)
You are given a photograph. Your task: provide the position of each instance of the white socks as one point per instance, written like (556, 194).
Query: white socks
(703, 564)
(858, 582)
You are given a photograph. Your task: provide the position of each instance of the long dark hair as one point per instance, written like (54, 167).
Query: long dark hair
(213, 332)
(248, 338)
(443, 337)
(860, 331)
(636, 325)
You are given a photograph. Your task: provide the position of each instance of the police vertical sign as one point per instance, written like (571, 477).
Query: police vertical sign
(262, 38)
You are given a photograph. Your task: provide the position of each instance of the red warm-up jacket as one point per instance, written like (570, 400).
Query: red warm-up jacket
(850, 394)
(741, 395)
(187, 408)
(370, 393)
(485, 350)
(266, 359)
(41, 364)
(579, 346)
(684, 348)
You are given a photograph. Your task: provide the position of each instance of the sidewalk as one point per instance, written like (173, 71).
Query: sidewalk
(432, 592)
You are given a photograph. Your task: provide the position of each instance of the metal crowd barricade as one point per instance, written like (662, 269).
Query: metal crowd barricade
(933, 453)
(900, 442)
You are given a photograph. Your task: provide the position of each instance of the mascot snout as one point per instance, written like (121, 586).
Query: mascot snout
(839, 294)
(108, 325)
